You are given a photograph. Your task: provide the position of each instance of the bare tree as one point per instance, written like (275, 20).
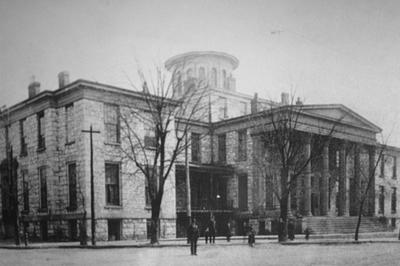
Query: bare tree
(369, 177)
(284, 158)
(166, 118)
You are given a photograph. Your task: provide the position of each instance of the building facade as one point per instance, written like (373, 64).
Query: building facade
(46, 135)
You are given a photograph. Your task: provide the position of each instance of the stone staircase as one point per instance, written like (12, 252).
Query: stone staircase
(344, 225)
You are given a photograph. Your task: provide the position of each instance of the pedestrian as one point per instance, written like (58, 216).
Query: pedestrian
(252, 237)
(207, 234)
(193, 235)
(212, 231)
(228, 232)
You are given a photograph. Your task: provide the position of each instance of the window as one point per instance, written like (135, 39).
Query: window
(394, 168)
(25, 190)
(394, 200)
(112, 125)
(223, 107)
(382, 175)
(150, 140)
(150, 184)
(243, 108)
(242, 145)
(222, 148)
(112, 184)
(69, 123)
(43, 189)
(196, 151)
(214, 77)
(224, 79)
(41, 129)
(381, 199)
(337, 159)
(178, 83)
(72, 186)
(202, 73)
(24, 150)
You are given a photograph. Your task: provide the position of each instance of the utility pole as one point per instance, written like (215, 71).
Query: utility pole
(187, 172)
(92, 214)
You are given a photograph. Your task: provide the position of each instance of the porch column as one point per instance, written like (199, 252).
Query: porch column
(325, 179)
(307, 177)
(357, 177)
(371, 174)
(343, 198)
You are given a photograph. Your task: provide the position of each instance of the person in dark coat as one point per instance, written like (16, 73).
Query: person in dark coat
(193, 235)
(228, 232)
(211, 228)
(252, 237)
(207, 235)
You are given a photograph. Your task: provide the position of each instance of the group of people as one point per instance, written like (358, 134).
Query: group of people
(193, 234)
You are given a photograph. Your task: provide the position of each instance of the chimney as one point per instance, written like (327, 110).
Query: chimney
(33, 88)
(63, 79)
(284, 98)
(254, 104)
(299, 102)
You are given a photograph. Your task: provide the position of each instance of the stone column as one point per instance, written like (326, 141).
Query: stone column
(371, 174)
(357, 177)
(325, 179)
(343, 201)
(307, 178)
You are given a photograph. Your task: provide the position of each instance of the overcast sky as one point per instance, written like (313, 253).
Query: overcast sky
(324, 51)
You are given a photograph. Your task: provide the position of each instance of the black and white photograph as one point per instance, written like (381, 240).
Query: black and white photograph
(183, 132)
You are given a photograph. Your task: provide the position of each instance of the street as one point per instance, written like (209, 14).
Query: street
(262, 254)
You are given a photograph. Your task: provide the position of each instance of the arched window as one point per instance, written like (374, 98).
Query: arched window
(214, 77)
(202, 73)
(224, 79)
(178, 83)
(189, 74)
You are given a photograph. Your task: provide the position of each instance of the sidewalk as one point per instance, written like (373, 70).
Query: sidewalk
(334, 239)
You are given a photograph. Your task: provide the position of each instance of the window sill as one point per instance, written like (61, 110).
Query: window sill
(112, 143)
(41, 149)
(150, 148)
(148, 208)
(70, 143)
(113, 207)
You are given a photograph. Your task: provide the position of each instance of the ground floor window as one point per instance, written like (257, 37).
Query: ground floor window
(73, 230)
(43, 230)
(114, 229)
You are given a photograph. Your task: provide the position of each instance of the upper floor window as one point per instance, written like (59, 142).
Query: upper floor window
(242, 145)
(24, 149)
(41, 130)
(112, 184)
(224, 79)
(243, 108)
(196, 151)
(222, 148)
(394, 167)
(202, 73)
(112, 124)
(383, 159)
(72, 185)
(214, 77)
(151, 183)
(150, 140)
(178, 83)
(69, 123)
(223, 107)
(43, 188)
(189, 73)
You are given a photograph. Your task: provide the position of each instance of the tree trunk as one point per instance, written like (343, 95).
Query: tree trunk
(155, 218)
(82, 230)
(360, 210)
(283, 220)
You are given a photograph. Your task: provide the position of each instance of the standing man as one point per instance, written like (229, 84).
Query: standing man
(193, 235)
(228, 232)
(211, 228)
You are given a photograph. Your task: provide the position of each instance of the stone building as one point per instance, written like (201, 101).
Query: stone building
(53, 154)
